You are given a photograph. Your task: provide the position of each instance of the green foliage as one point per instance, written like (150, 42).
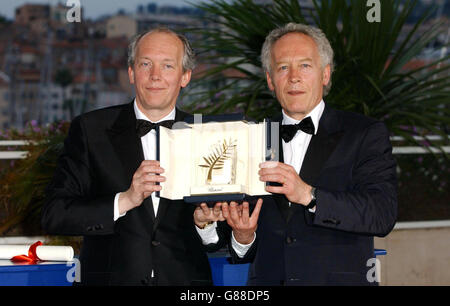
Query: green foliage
(23, 183)
(370, 58)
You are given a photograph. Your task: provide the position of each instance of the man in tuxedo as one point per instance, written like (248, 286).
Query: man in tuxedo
(334, 187)
(105, 183)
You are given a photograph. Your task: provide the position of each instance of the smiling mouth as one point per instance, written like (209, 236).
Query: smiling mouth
(295, 92)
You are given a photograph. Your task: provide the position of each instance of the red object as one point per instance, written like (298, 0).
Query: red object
(32, 256)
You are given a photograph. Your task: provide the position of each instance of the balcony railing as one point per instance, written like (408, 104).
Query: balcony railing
(13, 154)
(396, 149)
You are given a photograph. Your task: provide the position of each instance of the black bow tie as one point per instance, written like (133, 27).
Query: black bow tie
(144, 126)
(288, 131)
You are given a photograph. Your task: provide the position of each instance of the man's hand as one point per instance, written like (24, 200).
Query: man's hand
(238, 217)
(204, 215)
(142, 185)
(293, 187)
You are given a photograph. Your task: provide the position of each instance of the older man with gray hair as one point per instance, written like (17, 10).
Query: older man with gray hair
(334, 187)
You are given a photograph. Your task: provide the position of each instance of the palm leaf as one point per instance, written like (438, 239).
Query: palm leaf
(370, 75)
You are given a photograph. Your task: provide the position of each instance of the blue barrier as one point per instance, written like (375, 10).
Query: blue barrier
(227, 274)
(56, 273)
(41, 274)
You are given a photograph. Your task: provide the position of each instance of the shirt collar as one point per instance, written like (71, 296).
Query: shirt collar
(141, 115)
(315, 115)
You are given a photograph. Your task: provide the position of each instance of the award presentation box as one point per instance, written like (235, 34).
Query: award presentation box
(214, 158)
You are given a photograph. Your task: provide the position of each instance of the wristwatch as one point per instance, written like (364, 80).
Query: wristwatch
(312, 204)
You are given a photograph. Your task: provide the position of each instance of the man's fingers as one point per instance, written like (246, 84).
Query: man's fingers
(150, 178)
(273, 178)
(274, 164)
(234, 213)
(205, 209)
(217, 209)
(276, 189)
(245, 212)
(149, 170)
(225, 210)
(150, 188)
(255, 213)
(226, 214)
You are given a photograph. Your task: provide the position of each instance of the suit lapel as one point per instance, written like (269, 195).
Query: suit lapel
(128, 147)
(321, 146)
(319, 150)
(126, 142)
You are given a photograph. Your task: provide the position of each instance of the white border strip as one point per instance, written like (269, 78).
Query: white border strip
(13, 155)
(22, 239)
(431, 137)
(14, 142)
(422, 224)
(418, 150)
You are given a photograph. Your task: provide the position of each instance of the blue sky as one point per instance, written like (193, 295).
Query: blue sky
(93, 8)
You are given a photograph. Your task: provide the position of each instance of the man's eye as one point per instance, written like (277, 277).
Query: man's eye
(283, 67)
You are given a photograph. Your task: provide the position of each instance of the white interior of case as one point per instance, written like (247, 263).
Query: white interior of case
(183, 150)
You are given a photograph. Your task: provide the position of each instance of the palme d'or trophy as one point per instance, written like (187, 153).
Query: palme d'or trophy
(221, 164)
(219, 161)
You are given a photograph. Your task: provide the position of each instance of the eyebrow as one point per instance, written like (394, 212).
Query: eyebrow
(164, 60)
(306, 59)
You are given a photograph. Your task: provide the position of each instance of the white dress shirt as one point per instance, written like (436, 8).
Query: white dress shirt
(149, 147)
(209, 234)
(294, 151)
(293, 154)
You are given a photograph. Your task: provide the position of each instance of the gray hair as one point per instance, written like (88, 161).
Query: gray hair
(326, 53)
(188, 55)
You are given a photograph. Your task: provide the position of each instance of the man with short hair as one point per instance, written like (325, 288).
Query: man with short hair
(334, 187)
(105, 183)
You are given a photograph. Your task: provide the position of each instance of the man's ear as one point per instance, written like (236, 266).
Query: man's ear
(269, 82)
(326, 75)
(131, 74)
(186, 78)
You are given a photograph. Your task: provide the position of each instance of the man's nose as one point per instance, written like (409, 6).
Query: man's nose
(155, 73)
(295, 76)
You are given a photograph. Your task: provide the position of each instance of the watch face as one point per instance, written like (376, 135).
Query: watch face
(313, 193)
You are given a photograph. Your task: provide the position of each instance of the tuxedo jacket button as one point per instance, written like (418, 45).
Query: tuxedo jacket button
(155, 243)
(289, 240)
(99, 227)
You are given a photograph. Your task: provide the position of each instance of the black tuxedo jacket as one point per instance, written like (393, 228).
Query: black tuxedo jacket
(350, 163)
(101, 154)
